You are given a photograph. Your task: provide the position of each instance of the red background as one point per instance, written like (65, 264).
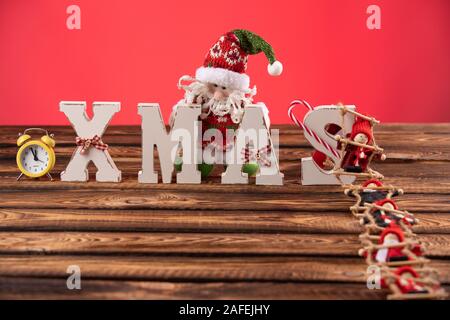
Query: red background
(134, 51)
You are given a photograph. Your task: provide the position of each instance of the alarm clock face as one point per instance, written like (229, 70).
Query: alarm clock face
(35, 159)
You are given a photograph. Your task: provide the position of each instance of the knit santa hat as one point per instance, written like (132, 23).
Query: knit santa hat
(375, 182)
(407, 269)
(392, 230)
(384, 201)
(226, 62)
(362, 126)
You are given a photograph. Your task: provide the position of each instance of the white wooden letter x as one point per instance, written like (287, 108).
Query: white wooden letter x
(89, 144)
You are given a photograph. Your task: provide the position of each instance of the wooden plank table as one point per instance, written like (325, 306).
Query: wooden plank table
(169, 241)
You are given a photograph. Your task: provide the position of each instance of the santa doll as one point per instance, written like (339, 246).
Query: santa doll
(384, 216)
(357, 156)
(408, 281)
(222, 88)
(369, 194)
(393, 235)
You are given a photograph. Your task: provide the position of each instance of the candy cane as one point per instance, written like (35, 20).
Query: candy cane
(305, 128)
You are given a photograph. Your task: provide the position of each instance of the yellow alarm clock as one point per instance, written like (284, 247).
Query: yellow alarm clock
(35, 158)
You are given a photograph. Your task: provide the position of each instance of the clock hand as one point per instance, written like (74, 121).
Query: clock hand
(34, 152)
(36, 155)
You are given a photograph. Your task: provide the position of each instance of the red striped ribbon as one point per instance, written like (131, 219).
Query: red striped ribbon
(306, 129)
(259, 156)
(95, 142)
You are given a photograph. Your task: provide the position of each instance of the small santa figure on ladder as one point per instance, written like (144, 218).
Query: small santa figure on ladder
(360, 147)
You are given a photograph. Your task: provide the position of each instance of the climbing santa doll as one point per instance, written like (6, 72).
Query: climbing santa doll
(386, 212)
(222, 88)
(359, 150)
(408, 281)
(371, 191)
(391, 250)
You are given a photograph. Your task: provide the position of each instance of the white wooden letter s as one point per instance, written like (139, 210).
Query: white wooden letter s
(315, 124)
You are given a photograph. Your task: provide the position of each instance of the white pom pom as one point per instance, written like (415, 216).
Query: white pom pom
(275, 69)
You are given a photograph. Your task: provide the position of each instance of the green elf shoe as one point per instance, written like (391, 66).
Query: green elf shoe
(205, 169)
(251, 169)
(178, 163)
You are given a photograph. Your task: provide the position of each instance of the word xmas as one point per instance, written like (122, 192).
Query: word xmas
(250, 143)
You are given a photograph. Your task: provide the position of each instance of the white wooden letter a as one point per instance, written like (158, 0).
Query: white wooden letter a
(87, 129)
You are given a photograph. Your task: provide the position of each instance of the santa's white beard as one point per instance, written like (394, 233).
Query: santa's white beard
(233, 105)
(197, 92)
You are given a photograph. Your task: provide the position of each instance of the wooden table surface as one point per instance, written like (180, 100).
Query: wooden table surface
(169, 241)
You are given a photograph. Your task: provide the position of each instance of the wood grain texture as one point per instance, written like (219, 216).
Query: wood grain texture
(209, 241)
(196, 243)
(34, 288)
(335, 222)
(201, 200)
(185, 268)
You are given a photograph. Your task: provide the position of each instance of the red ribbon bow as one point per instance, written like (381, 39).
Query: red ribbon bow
(260, 156)
(95, 142)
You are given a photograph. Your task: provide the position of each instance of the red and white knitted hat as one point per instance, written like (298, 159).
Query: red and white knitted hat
(392, 230)
(226, 62)
(384, 201)
(362, 126)
(376, 182)
(407, 269)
